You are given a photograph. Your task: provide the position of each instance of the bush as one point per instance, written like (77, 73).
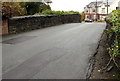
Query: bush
(10, 9)
(101, 20)
(34, 7)
(114, 19)
(49, 12)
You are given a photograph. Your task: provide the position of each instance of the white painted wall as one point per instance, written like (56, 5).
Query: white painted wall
(116, 3)
(113, 6)
(101, 9)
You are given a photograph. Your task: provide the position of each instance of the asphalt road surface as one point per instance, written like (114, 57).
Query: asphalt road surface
(58, 52)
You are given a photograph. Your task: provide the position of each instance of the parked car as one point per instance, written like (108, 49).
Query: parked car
(88, 20)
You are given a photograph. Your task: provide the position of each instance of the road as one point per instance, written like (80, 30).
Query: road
(58, 52)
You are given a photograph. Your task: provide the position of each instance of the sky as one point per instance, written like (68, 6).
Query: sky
(68, 5)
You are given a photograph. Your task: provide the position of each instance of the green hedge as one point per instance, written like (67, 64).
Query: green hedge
(49, 12)
(114, 20)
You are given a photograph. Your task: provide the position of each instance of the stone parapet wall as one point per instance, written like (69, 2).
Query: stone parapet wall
(27, 23)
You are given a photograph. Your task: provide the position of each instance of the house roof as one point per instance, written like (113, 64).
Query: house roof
(100, 3)
(109, 3)
(93, 4)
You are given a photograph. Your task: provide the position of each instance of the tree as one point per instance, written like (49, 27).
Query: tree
(44, 7)
(10, 9)
(34, 7)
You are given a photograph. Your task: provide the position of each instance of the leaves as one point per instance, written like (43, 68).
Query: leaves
(34, 7)
(10, 9)
(115, 20)
(49, 12)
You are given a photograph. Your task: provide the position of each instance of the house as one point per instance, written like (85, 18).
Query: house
(103, 10)
(114, 6)
(92, 9)
(98, 10)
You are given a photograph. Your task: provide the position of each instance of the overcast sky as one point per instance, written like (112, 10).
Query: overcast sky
(67, 5)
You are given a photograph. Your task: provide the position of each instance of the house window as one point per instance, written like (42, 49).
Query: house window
(86, 17)
(117, 8)
(86, 11)
(93, 10)
(103, 10)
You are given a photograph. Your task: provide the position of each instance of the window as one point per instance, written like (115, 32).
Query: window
(117, 8)
(86, 11)
(103, 10)
(93, 10)
(86, 17)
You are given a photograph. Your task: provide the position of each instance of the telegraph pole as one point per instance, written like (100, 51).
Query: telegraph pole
(96, 10)
(107, 7)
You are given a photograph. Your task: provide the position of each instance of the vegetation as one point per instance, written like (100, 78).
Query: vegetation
(100, 20)
(10, 9)
(34, 7)
(49, 12)
(114, 36)
(83, 16)
(115, 22)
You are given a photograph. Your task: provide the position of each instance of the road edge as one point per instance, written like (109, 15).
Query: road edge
(92, 58)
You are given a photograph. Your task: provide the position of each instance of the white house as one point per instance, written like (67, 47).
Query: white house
(101, 13)
(92, 10)
(103, 9)
(114, 6)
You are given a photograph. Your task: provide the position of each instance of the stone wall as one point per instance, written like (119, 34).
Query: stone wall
(27, 23)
